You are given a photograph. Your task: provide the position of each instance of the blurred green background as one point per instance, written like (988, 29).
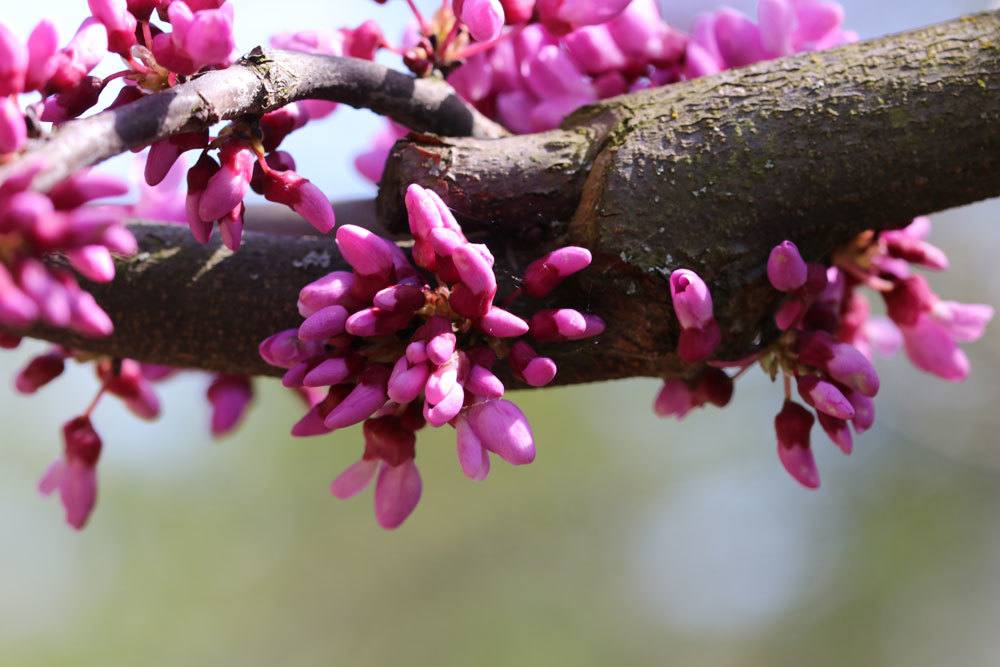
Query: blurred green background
(629, 541)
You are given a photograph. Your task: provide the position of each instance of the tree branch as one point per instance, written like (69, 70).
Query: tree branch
(263, 81)
(708, 174)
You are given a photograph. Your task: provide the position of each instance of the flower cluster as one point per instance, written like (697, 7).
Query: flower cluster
(401, 344)
(726, 38)
(829, 336)
(162, 43)
(558, 55)
(543, 71)
(35, 226)
(74, 474)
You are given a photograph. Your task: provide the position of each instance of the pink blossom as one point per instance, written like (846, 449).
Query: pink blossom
(932, 348)
(74, 475)
(484, 18)
(792, 426)
(230, 395)
(786, 269)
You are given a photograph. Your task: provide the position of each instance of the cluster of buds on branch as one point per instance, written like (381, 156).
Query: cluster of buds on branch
(829, 337)
(398, 346)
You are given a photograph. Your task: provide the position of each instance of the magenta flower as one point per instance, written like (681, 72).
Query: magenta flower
(400, 346)
(389, 452)
(792, 426)
(700, 334)
(74, 475)
(230, 396)
(786, 269)
(484, 18)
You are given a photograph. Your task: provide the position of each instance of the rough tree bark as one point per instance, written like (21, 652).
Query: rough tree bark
(708, 174)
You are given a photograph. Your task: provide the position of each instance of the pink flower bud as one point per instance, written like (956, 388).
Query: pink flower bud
(354, 479)
(777, 22)
(696, 345)
(534, 370)
(94, 262)
(575, 13)
(198, 178)
(447, 408)
(473, 81)
(545, 274)
(842, 361)
(595, 49)
(714, 386)
(364, 400)
(86, 186)
(13, 63)
(74, 476)
(205, 36)
(442, 381)
(792, 426)
(825, 397)
(484, 384)
(931, 349)
(675, 399)
(230, 395)
(838, 432)
(738, 38)
(227, 187)
(501, 324)
(552, 73)
(333, 289)
(119, 23)
(517, 11)
(278, 124)
(864, 411)
(72, 63)
(372, 322)
(284, 349)
(302, 196)
(406, 382)
(163, 154)
(397, 492)
(790, 313)
(366, 252)
(88, 318)
(332, 371)
(484, 18)
(231, 227)
(40, 371)
(691, 298)
(473, 457)
(13, 131)
(504, 430)
(965, 322)
(400, 298)
(324, 323)
(786, 269)
(42, 46)
(441, 347)
(73, 101)
(909, 299)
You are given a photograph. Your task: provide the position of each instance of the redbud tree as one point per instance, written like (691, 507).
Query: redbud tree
(569, 191)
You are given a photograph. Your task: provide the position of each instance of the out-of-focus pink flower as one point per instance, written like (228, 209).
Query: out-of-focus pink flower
(230, 395)
(74, 475)
(792, 426)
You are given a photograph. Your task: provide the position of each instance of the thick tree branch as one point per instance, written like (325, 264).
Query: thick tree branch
(709, 174)
(262, 81)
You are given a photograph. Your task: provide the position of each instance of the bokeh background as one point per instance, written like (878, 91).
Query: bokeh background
(630, 541)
